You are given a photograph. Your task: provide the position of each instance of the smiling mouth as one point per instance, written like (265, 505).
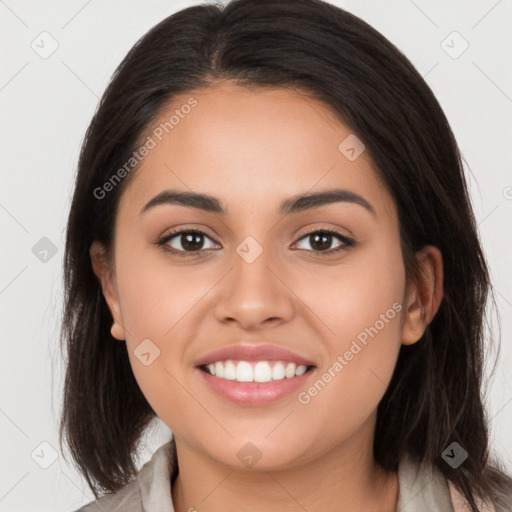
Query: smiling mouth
(255, 371)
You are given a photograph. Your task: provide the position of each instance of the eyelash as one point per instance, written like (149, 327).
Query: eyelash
(347, 242)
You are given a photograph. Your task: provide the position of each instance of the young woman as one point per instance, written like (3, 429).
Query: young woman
(271, 248)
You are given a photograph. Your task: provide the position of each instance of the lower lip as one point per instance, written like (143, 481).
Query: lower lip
(254, 393)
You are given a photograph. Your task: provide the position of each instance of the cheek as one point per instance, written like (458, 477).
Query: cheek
(352, 297)
(160, 303)
(360, 311)
(155, 300)
(155, 295)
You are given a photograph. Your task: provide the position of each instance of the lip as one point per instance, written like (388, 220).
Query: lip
(250, 352)
(254, 393)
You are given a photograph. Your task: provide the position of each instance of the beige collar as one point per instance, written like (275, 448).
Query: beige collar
(420, 489)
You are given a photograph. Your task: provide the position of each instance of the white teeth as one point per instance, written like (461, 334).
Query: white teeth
(262, 371)
(290, 370)
(229, 370)
(244, 372)
(300, 370)
(219, 369)
(278, 371)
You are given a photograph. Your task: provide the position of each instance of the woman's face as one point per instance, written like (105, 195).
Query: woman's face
(260, 275)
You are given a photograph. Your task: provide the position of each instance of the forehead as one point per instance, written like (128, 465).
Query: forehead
(252, 148)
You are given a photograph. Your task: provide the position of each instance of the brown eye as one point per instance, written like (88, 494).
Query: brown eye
(186, 241)
(321, 240)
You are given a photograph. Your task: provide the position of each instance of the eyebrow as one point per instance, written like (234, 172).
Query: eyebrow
(294, 204)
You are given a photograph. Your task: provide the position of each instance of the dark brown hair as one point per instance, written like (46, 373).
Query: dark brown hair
(434, 397)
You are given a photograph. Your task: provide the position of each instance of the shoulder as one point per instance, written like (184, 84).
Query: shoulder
(502, 500)
(148, 491)
(423, 487)
(126, 499)
(460, 503)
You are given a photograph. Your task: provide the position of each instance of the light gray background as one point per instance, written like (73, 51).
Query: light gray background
(45, 107)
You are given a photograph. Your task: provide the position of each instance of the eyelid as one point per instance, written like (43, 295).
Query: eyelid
(199, 228)
(334, 231)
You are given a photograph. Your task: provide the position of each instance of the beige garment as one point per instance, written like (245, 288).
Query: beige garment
(420, 490)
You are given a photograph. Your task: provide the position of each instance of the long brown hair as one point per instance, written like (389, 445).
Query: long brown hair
(434, 397)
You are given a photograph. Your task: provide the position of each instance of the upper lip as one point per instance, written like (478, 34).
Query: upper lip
(245, 352)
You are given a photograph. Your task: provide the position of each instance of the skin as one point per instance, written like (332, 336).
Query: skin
(252, 149)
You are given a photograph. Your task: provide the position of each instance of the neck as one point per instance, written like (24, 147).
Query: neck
(345, 479)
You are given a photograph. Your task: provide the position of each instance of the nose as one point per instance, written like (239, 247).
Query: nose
(255, 294)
